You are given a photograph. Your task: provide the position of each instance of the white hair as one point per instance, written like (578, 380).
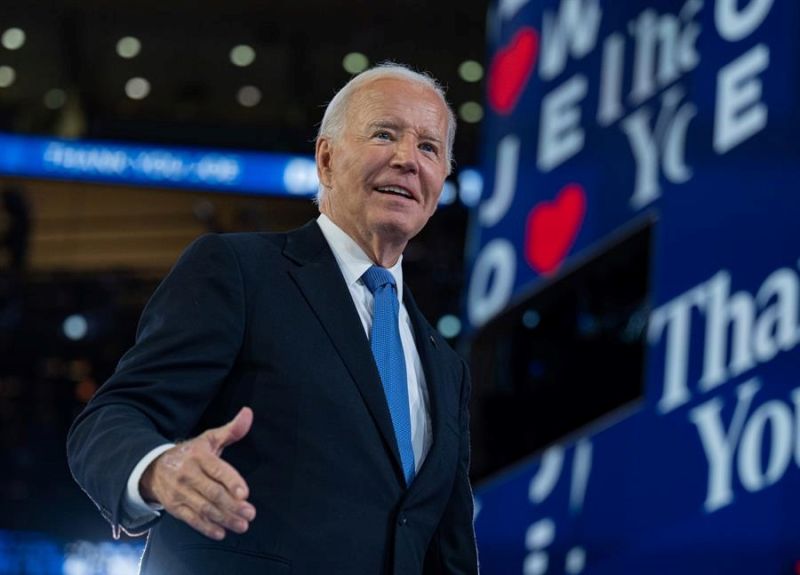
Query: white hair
(333, 121)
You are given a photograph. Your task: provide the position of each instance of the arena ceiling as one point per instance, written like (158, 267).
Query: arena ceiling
(69, 80)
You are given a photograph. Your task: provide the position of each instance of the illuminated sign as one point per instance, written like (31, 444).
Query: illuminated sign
(223, 171)
(599, 110)
(602, 113)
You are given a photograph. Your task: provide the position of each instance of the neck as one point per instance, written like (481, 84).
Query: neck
(379, 248)
(384, 256)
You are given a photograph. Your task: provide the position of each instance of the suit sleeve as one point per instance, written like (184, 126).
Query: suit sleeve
(188, 338)
(454, 550)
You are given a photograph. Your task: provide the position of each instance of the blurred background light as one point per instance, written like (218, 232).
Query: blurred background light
(85, 558)
(449, 326)
(128, 47)
(13, 39)
(248, 96)
(470, 71)
(470, 187)
(7, 76)
(300, 176)
(54, 99)
(75, 327)
(449, 193)
(137, 88)
(242, 55)
(355, 62)
(531, 318)
(470, 112)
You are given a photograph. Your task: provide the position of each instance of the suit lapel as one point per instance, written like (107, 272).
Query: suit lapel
(432, 364)
(319, 279)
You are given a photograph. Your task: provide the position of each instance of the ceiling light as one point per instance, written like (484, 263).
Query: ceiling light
(355, 62)
(242, 55)
(470, 71)
(13, 38)
(470, 112)
(248, 96)
(7, 76)
(55, 99)
(128, 47)
(137, 88)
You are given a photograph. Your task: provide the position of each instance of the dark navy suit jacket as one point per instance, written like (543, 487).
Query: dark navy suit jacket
(266, 320)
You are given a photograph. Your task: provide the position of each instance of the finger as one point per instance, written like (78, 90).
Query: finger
(221, 496)
(231, 432)
(198, 522)
(209, 511)
(224, 516)
(224, 474)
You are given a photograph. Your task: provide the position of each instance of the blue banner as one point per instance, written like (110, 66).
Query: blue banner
(221, 171)
(685, 112)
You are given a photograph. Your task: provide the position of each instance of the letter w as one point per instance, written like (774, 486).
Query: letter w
(573, 32)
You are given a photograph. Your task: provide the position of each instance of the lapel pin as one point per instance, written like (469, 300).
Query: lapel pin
(433, 341)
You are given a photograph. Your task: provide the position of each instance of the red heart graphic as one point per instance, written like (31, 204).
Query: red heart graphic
(552, 227)
(510, 69)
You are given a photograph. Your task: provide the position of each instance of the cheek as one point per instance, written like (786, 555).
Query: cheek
(373, 164)
(435, 183)
(344, 170)
(357, 172)
(431, 209)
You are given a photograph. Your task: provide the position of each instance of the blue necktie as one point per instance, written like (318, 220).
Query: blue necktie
(388, 351)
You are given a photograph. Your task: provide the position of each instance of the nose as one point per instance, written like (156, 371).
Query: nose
(405, 155)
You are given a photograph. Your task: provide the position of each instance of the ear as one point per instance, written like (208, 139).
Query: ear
(323, 155)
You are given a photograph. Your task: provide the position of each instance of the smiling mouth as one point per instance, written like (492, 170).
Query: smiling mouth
(395, 191)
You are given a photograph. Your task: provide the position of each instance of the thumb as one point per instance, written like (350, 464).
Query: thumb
(231, 432)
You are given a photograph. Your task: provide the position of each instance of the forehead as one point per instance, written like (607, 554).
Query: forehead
(408, 104)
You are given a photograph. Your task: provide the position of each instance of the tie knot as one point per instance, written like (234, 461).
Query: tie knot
(377, 277)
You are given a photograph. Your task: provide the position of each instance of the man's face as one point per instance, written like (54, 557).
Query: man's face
(384, 174)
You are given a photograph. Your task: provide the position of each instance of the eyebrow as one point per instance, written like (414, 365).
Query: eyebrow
(391, 125)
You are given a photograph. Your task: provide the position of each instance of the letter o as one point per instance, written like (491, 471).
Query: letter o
(484, 297)
(779, 416)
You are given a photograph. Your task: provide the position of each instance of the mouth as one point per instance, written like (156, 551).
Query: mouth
(396, 191)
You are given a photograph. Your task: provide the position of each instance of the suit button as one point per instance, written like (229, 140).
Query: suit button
(402, 521)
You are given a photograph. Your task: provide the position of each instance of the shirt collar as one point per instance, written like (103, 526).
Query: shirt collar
(352, 260)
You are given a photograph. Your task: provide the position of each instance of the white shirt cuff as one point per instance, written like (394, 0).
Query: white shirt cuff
(137, 510)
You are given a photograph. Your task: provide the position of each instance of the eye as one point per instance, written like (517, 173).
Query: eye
(382, 135)
(428, 147)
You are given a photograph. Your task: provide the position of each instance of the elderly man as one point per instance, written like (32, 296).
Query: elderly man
(329, 421)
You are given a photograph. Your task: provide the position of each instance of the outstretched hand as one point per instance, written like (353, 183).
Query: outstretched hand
(197, 486)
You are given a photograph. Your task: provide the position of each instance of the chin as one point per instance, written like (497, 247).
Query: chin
(396, 229)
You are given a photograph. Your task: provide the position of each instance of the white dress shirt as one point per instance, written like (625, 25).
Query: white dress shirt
(353, 262)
